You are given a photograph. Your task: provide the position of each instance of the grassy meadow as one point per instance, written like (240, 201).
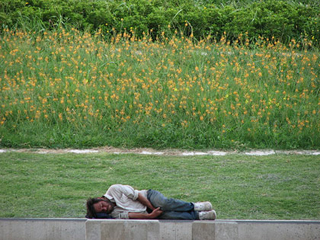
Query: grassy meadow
(239, 186)
(65, 88)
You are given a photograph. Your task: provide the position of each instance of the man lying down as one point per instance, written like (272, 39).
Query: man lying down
(123, 201)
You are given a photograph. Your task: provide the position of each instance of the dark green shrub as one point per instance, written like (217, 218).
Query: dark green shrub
(282, 20)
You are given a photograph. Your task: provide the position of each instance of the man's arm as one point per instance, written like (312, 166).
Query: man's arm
(155, 213)
(143, 200)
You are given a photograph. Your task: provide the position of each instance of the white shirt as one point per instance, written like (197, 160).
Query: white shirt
(126, 201)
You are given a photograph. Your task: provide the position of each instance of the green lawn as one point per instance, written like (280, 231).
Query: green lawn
(239, 186)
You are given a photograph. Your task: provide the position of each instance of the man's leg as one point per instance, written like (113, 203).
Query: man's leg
(157, 199)
(173, 208)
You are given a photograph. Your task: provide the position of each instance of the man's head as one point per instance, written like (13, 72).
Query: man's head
(98, 205)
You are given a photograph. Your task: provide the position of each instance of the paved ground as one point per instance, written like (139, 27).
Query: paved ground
(167, 152)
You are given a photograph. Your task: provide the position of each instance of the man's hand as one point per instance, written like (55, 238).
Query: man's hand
(154, 214)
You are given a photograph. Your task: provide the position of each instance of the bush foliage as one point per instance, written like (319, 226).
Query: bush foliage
(282, 20)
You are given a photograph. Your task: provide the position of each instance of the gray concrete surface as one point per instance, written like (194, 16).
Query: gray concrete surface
(109, 229)
(42, 229)
(202, 230)
(284, 230)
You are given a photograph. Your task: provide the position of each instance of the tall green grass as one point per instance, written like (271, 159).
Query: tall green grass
(66, 88)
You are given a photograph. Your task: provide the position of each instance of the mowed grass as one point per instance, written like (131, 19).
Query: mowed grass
(65, 88)
(239, 186)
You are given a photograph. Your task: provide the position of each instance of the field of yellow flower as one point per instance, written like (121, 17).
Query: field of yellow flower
(73, 89)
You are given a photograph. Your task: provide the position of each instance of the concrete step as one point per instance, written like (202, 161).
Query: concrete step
(110, 229)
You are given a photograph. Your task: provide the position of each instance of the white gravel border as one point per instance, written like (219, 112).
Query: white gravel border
(169, 152)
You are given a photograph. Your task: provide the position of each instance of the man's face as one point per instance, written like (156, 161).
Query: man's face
(103, 206)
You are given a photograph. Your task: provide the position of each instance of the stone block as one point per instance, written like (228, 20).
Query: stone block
(227, 230)
(93, 230)
(42, 229)
(203, 230)
(130, 229)
(281, 230)
(175, 230)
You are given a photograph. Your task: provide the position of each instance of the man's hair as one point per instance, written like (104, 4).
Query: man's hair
(91, 212)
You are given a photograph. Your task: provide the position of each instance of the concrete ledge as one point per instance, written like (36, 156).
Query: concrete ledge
(109, 229)
(202, 230)
(42, 229)
(291, 230)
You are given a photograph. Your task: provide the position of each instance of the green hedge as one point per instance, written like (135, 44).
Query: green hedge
(283, 20)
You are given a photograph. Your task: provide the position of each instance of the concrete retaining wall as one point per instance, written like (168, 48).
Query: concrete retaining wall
(42, 229)
(82, 229)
